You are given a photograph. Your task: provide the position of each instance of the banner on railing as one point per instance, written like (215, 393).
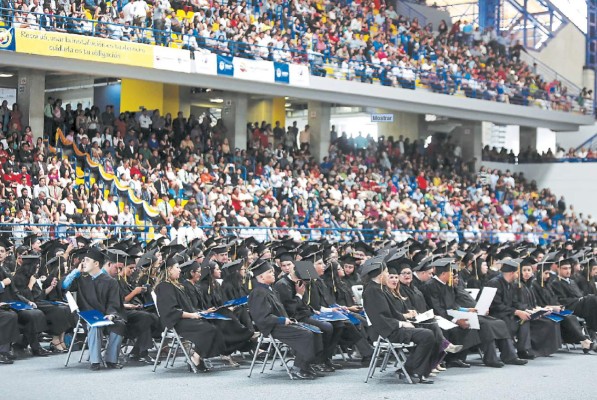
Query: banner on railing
(225, 66)
(7, 39)
(253, 70)
(205, 63)
(282, 73)
(172, 59)
(84, 48)
(299, 75)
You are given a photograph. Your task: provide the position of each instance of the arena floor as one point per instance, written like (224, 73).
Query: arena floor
(566, 375)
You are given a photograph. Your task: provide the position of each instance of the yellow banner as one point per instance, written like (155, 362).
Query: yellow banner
(83, 48)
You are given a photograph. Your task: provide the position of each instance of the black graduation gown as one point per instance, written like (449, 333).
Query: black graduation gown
(171, 302)
(58, 317)
(140, 324)
(380, 307)
(231, 290)
(31, 322)
(546, 338)
(344, 295)
(415, 297)
(9, 326)
(569, 295)
(101, 294)
(570, 327)
(441, 298)
(587, 286)
(235, 334)
(269, 316)
(352, 280)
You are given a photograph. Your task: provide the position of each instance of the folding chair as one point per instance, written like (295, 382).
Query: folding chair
(395, 349)
(176, 342)
(274, 344)
(78, 328)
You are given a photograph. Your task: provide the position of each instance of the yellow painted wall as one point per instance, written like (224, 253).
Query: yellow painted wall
(270, 110)
(136, 93)
(279, 111)
(171, 100)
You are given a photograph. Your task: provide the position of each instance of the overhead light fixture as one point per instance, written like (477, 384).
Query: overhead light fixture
(216, 100)
(288, 105)
(286, 98)
(6, 75)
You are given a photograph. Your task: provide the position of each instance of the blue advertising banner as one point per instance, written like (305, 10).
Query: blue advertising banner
(225, 66)
(282, 73)
(7, 39)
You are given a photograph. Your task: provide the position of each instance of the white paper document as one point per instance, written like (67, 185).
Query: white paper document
(472, 318)
(444, 323)
(485, 300)
(426, 316)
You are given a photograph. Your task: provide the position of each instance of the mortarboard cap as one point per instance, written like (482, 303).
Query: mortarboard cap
(372, 267)
(96, 255)
(260, 266)
(441, 265)
(305, 270)
(117, 256)
(511, 265)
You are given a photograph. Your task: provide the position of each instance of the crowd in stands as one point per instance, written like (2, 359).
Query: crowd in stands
(186, 168)
(365, 41)
(529, 155)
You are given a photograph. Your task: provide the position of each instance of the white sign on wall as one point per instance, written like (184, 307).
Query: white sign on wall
(382, 117)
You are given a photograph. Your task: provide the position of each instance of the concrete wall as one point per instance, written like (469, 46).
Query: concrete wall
(569, 45)
(576, 138)
(431, 15)
(81, 88)
(405, 124)
(575, 181)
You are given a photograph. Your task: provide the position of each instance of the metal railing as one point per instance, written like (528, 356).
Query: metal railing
(100, 233)
(321, 64)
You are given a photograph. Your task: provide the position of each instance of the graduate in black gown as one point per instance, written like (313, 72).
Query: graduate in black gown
(96, 290)
(351, 277)
(570, 296)
(587, 278)
(141, 324)
(570, 328)
(386, 322)
(480, 277)
(441, 296)
(235, 335)
(505, 306)
(9, 333)
(290, 290)
(31, 322)
(270, 317)
(58, 316)
(176, 311)
(320, 297)
(546, 338)
(233, 287)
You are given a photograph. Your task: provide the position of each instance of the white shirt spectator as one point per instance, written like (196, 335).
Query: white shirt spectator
(110, 207)
(71, 207)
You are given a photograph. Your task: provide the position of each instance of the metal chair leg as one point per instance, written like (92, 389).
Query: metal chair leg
(259, 342)
(373, 362)
(157, 357)
(72, 343)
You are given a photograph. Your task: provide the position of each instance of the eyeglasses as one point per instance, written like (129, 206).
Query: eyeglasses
(406, 273)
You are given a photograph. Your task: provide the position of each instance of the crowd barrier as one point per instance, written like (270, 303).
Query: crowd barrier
(145, 232)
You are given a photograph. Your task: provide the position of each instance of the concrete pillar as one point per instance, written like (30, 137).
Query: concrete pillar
(319, 121)
(184, 96)
(234, 117)
(31, 99)
(405, 124)
(469, 136)
(528, 138)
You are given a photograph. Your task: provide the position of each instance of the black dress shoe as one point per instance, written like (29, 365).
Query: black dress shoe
(5, 360)
(41, 352)
(497, 364)
(332, 364)
(365, 361)
(416, 378)
(10, 355)
(110, 365)
(315, 370)
(525, 355)
(302, 375)
(516, 361)
(457, 364)
(95, 367)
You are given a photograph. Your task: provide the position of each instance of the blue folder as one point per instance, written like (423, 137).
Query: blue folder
(214, 315)
(19, 305)
(330, 316)
(308, 327)
(241, 301)
(148, 305)
(554, 317)
(95, 319)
